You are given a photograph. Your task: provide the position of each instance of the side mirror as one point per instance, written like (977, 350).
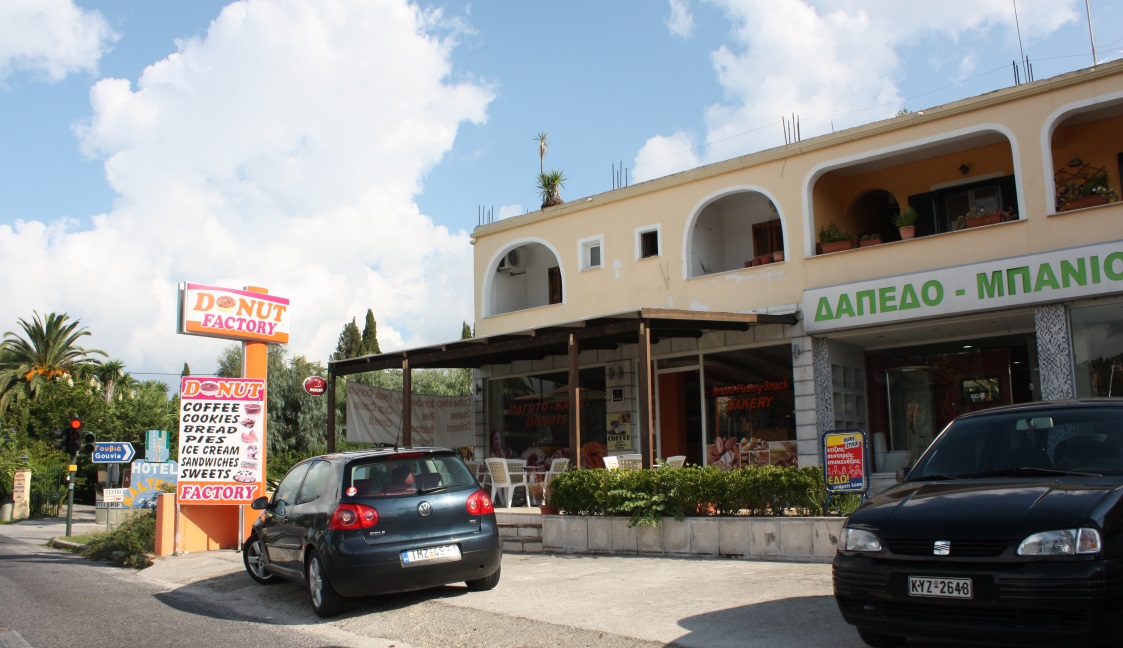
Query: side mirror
(260, 504)
(901, 474)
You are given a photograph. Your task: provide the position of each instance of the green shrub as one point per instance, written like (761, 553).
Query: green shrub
(647, 495)
(135, 537)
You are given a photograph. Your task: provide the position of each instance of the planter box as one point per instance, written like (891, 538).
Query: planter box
(808, 539)
(988, 219)
(837, 246)
(869, 242)
(1086, 201)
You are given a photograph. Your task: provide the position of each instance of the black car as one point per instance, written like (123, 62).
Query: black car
(375, 522)
(1008, 529)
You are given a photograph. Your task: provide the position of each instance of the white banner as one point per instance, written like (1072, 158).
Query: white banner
(374, 415)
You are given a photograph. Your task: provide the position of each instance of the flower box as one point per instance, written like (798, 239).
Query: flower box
(1085, 201)
(985, 219)
(867, 242)
(836, 246)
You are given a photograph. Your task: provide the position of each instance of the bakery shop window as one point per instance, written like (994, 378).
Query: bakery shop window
(528, 416)
(750, 404)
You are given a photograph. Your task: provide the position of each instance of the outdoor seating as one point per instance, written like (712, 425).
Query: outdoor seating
(557, 467)
(676, 461)
(631, 462)
(506, 481)
(611, 462)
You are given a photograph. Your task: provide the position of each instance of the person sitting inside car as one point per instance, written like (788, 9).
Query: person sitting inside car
(401, 481)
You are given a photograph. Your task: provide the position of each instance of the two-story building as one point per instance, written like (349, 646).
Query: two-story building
(700, 315)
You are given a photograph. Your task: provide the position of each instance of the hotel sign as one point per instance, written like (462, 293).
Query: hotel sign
(1018, 281)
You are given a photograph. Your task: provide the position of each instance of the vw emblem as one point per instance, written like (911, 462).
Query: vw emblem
(424, 509)
(941, 548)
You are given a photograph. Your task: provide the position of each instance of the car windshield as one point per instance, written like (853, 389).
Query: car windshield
(1056, 441)
(406, 474)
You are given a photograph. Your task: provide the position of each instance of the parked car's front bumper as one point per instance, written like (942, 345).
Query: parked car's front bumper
(1030, 602)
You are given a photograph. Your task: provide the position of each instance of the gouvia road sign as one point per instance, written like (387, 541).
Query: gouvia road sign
(113, 452)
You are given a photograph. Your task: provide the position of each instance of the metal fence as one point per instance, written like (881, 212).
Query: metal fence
(47, 490)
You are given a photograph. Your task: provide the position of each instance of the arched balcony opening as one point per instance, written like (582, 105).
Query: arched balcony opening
(738, 230)
(523, 276)
(1085, 144)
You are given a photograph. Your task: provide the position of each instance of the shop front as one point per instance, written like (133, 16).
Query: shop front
(908, 354)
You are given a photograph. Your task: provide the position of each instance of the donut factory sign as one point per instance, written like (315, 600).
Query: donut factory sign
(230, 313)
(221, 440)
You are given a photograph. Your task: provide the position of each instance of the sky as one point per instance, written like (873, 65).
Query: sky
(340, 152)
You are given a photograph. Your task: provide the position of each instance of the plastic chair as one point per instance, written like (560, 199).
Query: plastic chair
(676, 461)
(628, 462)
(611, 462)
(505, 481)
(557, 467)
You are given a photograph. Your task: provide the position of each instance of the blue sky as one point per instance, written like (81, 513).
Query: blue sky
(338, 151)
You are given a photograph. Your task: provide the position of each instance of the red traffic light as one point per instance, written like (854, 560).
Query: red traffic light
(75, 423)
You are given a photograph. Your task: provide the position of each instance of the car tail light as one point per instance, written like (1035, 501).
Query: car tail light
(479, 503)
(348, 517)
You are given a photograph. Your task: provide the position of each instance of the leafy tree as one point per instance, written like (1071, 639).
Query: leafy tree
(370, 335)
(350, 343)
(110, 374)
(466, 332)
(48, 352)
(186, 370)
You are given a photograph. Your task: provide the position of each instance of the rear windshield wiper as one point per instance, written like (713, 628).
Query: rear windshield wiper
(1028, 470)
(435, 489)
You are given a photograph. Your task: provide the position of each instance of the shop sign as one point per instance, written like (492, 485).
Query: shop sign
(619, 432)
(1018, 281)
(845, 461)
(148, 479)
(211, 311)
(221, 440)
(315, 385)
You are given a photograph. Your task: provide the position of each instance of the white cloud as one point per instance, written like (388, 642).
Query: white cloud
(283, 150)
(507, 211)
(50, 37)
(681, 21)
(833, 64)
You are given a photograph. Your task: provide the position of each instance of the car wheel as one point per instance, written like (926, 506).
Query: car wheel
(485, 583)
(326, 601)
(879, 640)
(253, 557)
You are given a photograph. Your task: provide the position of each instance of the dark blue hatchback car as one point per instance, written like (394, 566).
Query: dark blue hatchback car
(375, 522)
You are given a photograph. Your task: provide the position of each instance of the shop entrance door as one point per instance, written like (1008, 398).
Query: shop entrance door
(679, 414)
(912, 413)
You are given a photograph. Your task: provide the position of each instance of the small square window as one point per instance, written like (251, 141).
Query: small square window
(649, 244)
(590, 251)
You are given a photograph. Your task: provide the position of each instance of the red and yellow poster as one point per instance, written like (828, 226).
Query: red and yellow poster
(844, 461)
(221, 440)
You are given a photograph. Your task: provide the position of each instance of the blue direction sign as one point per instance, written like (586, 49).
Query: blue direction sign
(113, 452)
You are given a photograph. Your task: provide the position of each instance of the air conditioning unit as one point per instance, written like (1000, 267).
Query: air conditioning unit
(511, 262)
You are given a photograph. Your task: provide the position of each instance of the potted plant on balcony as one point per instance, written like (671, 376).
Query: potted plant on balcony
(980, 216)
(905, 222)
(1093, 191)
(869, 239)
(778, 256)
(833, 238)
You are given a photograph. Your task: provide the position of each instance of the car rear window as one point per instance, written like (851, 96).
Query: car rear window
(1077, 439)
(406, 474)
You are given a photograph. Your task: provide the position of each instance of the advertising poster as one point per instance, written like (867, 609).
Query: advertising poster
(755, 425)
(844, 461)
(619, 432)
(149, 479)
(212, 311)
(374, 415)
(221, 440)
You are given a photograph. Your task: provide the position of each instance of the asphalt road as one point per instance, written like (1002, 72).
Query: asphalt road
(51, 598)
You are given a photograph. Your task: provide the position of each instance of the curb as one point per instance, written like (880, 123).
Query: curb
(59, 543)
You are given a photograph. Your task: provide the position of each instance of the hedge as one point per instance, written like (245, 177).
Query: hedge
(647, 495)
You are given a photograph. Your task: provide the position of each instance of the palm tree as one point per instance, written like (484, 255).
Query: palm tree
(542, 151)
(49, 352)
(110, 373)
(550, 184)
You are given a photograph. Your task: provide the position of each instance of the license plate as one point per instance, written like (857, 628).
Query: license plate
(959, 588)
(445, 553)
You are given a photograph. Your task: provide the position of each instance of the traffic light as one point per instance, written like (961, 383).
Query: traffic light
(74, 436)
(62, 439)
(88, 448)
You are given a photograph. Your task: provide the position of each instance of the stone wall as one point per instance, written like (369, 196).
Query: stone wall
(811, 539)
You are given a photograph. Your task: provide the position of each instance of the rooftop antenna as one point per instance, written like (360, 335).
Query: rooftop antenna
(1018, 25)
(1091, 36)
